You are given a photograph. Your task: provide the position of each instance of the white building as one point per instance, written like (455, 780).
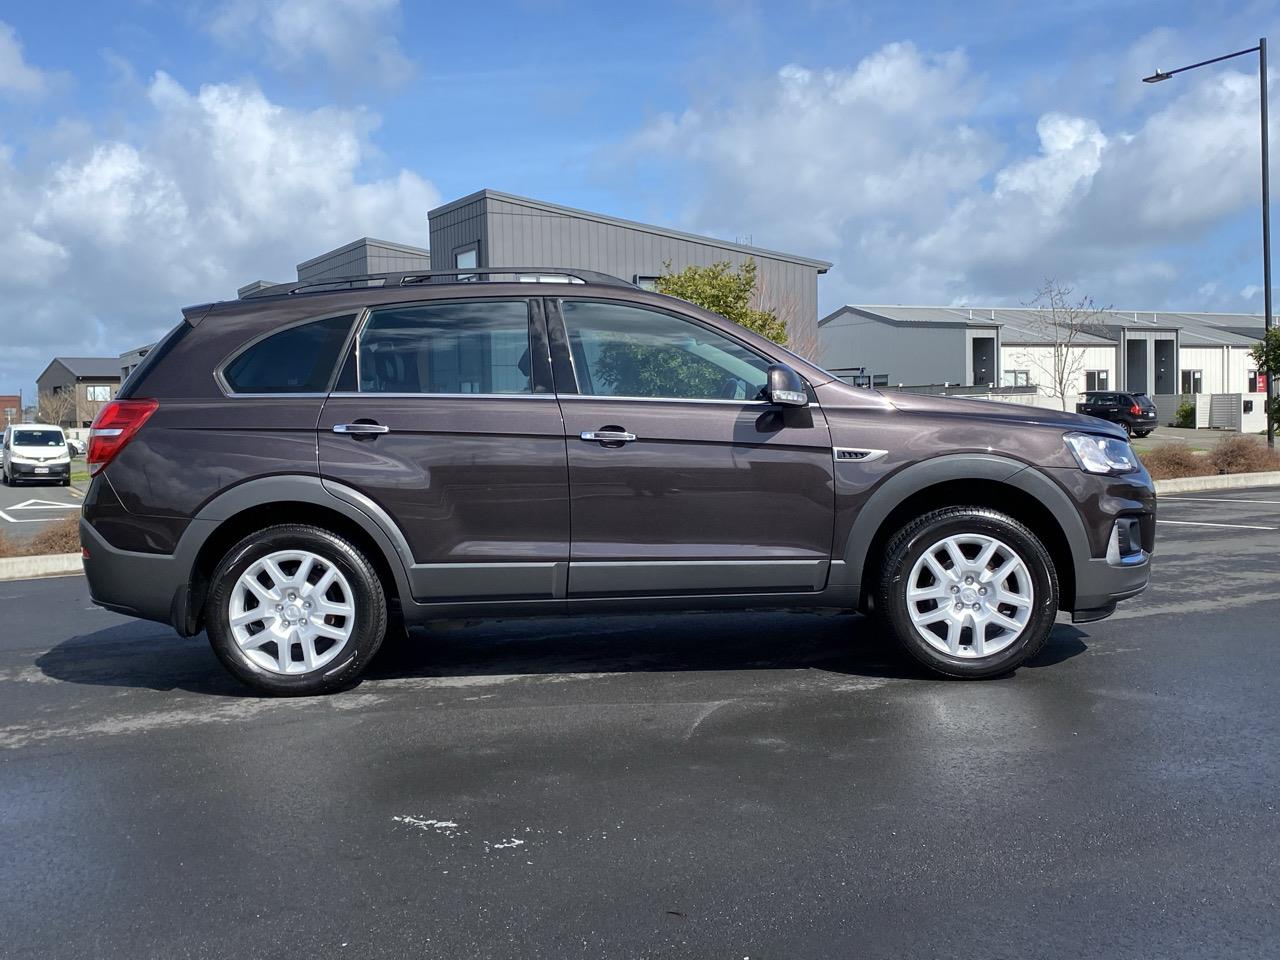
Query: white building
(1166, 355)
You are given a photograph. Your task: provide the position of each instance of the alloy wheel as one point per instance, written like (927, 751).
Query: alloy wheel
(970, 596)
(291, 612)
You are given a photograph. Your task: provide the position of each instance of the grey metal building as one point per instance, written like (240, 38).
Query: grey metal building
(493, 229)
(365, 255)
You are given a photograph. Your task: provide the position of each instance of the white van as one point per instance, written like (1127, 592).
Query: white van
(35, 451)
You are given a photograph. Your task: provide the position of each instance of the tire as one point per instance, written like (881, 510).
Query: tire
(1141, 433)
(267, 664)
(999, 649)
(1128, 428)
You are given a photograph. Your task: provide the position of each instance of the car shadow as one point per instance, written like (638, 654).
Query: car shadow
(146, 656)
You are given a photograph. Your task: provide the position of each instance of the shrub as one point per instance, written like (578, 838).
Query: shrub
(61, 536)
(1186, 416)
(1241, 454)
(1172, 460)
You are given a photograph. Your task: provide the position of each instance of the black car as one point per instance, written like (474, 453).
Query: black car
(1133, 411)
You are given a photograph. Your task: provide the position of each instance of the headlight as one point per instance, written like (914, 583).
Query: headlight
(1097, 454)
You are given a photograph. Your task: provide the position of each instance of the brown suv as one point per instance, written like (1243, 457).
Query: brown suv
(294, 471)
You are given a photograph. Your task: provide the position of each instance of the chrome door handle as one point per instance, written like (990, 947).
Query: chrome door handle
(360, 429)
(608, 436)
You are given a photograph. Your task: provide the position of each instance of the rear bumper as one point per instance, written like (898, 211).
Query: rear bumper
(151, 586)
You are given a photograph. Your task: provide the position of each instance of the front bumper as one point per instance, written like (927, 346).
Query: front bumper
(39, 471)
(1119, 515)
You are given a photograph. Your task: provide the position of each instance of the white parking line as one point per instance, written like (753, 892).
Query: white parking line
(1218, 500)
(1229, 526)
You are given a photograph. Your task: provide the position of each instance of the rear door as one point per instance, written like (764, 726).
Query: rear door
(445, 417)
(682, 480)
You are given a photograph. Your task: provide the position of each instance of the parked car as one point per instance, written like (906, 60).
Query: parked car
(1134, 412)
(35, 452)
(291, 472)
(78, 448)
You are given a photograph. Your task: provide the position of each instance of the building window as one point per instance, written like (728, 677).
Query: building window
(99, 394)
(880, 380)
(1192, 381)
(646, 283)
(1017, 378)
(466, 257)
(1253, 381)
(1097, 379)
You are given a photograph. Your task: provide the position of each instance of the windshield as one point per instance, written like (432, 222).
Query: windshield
(38, 438)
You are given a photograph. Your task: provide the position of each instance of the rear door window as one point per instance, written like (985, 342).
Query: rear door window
(298, 359)
(478, 346)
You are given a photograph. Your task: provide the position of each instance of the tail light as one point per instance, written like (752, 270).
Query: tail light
(113, 428)
(1136, 410)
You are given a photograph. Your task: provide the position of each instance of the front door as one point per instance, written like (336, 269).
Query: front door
(447, 421)
(682, 480)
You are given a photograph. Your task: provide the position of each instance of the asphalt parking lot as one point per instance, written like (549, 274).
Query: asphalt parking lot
(26, 508)
(762, 786)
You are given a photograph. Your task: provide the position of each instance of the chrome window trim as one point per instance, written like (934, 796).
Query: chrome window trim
(353, 394)
(734, 403)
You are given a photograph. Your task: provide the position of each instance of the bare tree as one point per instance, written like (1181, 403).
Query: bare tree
(1061, 322)
(802, 338)
(54, 406)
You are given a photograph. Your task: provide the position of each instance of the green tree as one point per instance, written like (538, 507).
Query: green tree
(1266, 355)
(728, 292)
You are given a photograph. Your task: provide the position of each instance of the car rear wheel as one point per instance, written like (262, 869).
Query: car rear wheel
(968, 591)
(295, 610)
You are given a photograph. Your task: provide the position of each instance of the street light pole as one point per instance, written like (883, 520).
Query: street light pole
(1268, 321)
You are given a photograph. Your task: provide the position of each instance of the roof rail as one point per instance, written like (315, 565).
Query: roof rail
(459, 275)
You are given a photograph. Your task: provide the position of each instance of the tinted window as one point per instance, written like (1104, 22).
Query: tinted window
(621, 351)
(475, 347)
(297, 360)
(39, 438)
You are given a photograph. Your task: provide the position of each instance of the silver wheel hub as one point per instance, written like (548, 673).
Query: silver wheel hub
(292, 612)
(970, 596)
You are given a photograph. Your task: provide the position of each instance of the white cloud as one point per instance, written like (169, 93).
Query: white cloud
(353, 39)
(16, 75)
(104, 245)
(894, 169)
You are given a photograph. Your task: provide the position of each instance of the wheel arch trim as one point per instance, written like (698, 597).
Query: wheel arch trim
(896, 489)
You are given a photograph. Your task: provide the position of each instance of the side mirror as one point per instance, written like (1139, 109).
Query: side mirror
(786, 387)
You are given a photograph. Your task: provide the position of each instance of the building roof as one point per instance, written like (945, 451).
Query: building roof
(1026, 324)
(104, 367)
(822, 266)
(401, 248)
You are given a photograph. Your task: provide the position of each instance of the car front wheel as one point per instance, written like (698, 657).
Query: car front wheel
(969, 591)
(295, 609)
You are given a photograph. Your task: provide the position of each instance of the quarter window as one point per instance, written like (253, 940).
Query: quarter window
(297, 360)
(475, 347)
(622, 351)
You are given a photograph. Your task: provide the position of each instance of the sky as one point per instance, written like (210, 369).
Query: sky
(154, 155)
